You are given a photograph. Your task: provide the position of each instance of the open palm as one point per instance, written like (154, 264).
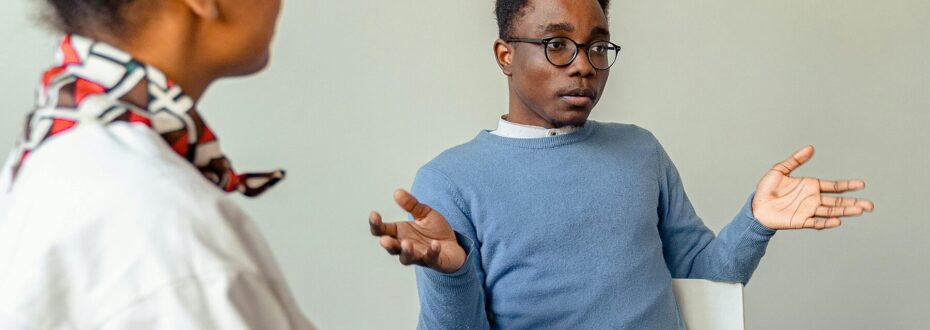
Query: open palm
(428, 240)
(786, 202)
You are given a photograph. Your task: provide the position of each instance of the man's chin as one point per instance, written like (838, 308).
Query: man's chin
(572, 118)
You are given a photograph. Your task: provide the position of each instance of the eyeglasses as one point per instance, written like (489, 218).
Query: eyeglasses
(561, 51)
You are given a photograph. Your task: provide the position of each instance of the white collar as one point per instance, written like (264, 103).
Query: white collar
(519, 131)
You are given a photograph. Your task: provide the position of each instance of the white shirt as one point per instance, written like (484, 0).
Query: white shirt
(519, 131)
(108, 228)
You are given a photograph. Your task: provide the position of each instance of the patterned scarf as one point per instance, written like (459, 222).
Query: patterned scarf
(96, 82)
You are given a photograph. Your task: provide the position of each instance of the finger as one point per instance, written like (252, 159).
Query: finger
(390, 244)
(821, 223)
(374, 223)
(865, 204)
(379, 228)
(410, 204)
(835, 212)
(406, 256)
(841, 186)
(792, 163)
(409, 255)
(432, 255)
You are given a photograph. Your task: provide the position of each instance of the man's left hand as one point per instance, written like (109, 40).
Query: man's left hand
(786, 202)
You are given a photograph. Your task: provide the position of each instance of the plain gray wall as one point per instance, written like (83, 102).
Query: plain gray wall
(361, 93)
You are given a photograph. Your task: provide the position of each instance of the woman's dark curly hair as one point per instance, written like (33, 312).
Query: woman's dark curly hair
(508, 11)
(85, 16)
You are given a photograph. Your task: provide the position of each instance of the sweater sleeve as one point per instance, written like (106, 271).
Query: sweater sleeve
(691, 250)
(457, 300)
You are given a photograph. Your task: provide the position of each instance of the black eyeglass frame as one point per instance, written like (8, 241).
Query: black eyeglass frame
(587, 47)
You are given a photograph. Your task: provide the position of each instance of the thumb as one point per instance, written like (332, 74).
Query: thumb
(410, 204)
(792, 163)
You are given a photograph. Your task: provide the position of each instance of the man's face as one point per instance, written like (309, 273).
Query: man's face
(542, 92)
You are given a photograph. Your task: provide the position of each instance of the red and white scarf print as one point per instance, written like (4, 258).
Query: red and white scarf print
(93, 81)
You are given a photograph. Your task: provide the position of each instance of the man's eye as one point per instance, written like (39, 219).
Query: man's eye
(556, 45)
(599, 49)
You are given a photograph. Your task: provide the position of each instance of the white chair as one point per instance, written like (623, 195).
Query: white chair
(706, 305)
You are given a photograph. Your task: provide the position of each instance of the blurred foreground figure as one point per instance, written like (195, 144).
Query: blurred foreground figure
(113, 206)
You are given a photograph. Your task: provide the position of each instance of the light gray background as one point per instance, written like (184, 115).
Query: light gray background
(361, 93)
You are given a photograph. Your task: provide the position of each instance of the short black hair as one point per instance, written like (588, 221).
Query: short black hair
(508, 11)
(87, 16)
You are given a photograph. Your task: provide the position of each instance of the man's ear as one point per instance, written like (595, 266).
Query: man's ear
(206, 9)
(503, 53)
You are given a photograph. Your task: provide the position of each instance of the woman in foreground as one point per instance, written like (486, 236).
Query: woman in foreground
(113, 207)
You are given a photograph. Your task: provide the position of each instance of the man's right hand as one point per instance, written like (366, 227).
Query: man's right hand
(427, 241)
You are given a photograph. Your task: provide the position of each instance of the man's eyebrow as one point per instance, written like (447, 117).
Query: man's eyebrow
(600, 32)
(568, 28)
(557, 27)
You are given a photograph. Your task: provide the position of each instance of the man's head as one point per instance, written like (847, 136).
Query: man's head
(232, 35)
(541, 93)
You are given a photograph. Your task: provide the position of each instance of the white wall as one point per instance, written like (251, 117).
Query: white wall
(361, 93)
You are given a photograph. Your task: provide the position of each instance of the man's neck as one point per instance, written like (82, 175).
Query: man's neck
(520, 113)
(522, 118)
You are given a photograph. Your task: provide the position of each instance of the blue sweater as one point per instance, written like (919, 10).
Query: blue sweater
(578, 231)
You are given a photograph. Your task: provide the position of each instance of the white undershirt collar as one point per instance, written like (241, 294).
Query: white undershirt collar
(519, 131)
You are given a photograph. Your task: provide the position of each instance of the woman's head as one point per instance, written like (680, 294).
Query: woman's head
(231, 37)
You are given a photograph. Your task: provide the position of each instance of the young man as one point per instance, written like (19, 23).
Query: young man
(112, 209)
(553, 221)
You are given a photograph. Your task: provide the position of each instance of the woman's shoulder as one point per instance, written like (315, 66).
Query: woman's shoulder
(97, 168)
(115, 185)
